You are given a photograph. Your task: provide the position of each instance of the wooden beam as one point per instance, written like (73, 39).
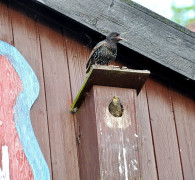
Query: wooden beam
(58, 98)
(149, 34)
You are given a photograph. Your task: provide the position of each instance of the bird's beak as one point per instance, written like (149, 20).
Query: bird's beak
(120, 38)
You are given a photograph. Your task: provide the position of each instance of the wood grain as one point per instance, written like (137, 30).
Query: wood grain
(77, 55)
(58, 96)
(88, 146)
(148, 164)
(5, 23)
(164, 132)
(26, 40)
(111, 141)
(184, 110)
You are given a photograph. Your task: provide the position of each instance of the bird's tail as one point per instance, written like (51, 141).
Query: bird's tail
(88, 65)
(87, 70)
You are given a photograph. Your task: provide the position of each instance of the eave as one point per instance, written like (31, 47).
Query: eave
(161, 41)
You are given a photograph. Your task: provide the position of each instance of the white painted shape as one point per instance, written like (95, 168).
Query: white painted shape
(4, 173)
(1, 123)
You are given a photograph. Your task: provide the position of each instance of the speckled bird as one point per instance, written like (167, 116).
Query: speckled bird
(105, 51)
(115, 107)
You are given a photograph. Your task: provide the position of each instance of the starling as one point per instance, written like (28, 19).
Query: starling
(115, 107)
(105, 51)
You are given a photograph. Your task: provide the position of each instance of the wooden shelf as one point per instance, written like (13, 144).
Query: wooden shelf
(111, 76)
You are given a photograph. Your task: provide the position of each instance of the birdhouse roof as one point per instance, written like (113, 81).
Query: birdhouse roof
(166, 47)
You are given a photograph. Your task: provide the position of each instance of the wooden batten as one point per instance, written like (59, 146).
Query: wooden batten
(108, 145)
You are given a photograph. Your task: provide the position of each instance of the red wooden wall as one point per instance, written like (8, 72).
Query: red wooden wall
(166, 116)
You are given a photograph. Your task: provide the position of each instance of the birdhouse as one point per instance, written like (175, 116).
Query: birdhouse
(108, 128)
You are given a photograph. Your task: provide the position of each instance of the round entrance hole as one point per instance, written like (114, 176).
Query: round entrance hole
(115, 107)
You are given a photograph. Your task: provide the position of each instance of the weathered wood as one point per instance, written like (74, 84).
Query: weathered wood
(184, 111)
(77, 55)
(110, 76)
(108, 145)
(148, 164)
(159, 39)
(26, 39)
(5, 24)
(58, 96)
(163, 131)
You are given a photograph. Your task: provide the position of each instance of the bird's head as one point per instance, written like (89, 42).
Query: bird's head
(116, 100)
(114, 37)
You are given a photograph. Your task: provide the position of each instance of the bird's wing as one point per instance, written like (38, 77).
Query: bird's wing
(102, 43)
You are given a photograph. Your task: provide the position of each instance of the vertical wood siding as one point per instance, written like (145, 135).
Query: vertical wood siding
(26, 40)
(166, 117)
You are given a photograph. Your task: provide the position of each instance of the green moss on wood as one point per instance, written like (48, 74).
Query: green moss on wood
(74, 109)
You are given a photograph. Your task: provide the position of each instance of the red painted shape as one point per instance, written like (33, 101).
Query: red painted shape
(10, 87)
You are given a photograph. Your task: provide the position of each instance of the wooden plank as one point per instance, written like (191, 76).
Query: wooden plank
(163, 130)
(184, 111)
(26, 39)
(77, 55)
(89, 165)
(163, 41)
(58, 96)
(109, 145)
(148, 164)
(110, 76)
(5, 23)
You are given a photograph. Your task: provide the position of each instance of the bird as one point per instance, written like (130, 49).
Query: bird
(115, 107)
(105, 51)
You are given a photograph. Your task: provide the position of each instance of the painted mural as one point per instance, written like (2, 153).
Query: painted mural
(20, 154)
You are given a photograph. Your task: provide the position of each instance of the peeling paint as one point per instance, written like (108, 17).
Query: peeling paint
(134, 166)
(4, 172)
(125, 164)
(101, 130)
(136, 135)
(135, 161)
(120, 165)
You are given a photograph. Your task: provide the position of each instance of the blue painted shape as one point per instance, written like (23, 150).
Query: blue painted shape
(22, 108)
